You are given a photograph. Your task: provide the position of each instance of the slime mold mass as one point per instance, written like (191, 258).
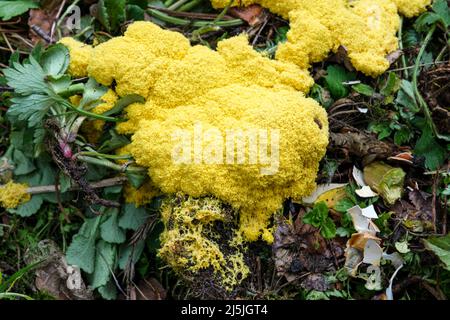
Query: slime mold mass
(234, 87)
(366, 28)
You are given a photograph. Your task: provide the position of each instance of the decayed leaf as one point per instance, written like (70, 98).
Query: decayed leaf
(300, 248)
(417, 213)
(440, 246)
(54, 275)
(385, 180)
(321, 189)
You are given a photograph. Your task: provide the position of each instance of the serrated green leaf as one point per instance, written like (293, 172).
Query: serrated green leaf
(440, 246)
(105, 257)
(336, 76)
(132, 218)
(32, 108)
(441, 8)
(110, 230)
(11, 9)
(328, 229)
(343, 205)
(81, 251)
(55, 60)
(27, 78)
(29, 208)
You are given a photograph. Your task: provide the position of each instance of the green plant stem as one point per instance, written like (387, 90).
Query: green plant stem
(400, 44)
(72, 90)
(89, 114)
(7, 295)
(195, 23)
(419, 97)
(189, 6)
(111, 165)
(177, 4)
(105, 156)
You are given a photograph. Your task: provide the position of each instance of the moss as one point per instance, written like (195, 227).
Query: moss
(13, 194)
(193, 242)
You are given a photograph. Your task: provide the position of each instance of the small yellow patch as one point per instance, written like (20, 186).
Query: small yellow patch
(13, 194)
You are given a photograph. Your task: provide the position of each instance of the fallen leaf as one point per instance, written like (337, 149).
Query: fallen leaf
(252, 14)
(54, 275)
(321, 189)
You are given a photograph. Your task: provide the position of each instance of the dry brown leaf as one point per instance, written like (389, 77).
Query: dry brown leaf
(252, 14)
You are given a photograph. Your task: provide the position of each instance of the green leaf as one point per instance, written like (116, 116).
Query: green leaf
(336, 76)
(109, 230)
(23, 165)
(10, 9)
(55, 60)
(113, 141)
(132, 217)
(93, 91)
(81, 251)
(130, 254)
(105, 257)
(328, 229)
(108, 291)
(429, 148)
(392, 85)
(27, 78)
(123, 103)
(116, 12)
(102, 15)
(403, 135)
(364, 89)
(135, 13)
(441, 8)
(32, 108)
(440, 246)
(29, 208)
(406, 97)
(343, 205)
(136, 179)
